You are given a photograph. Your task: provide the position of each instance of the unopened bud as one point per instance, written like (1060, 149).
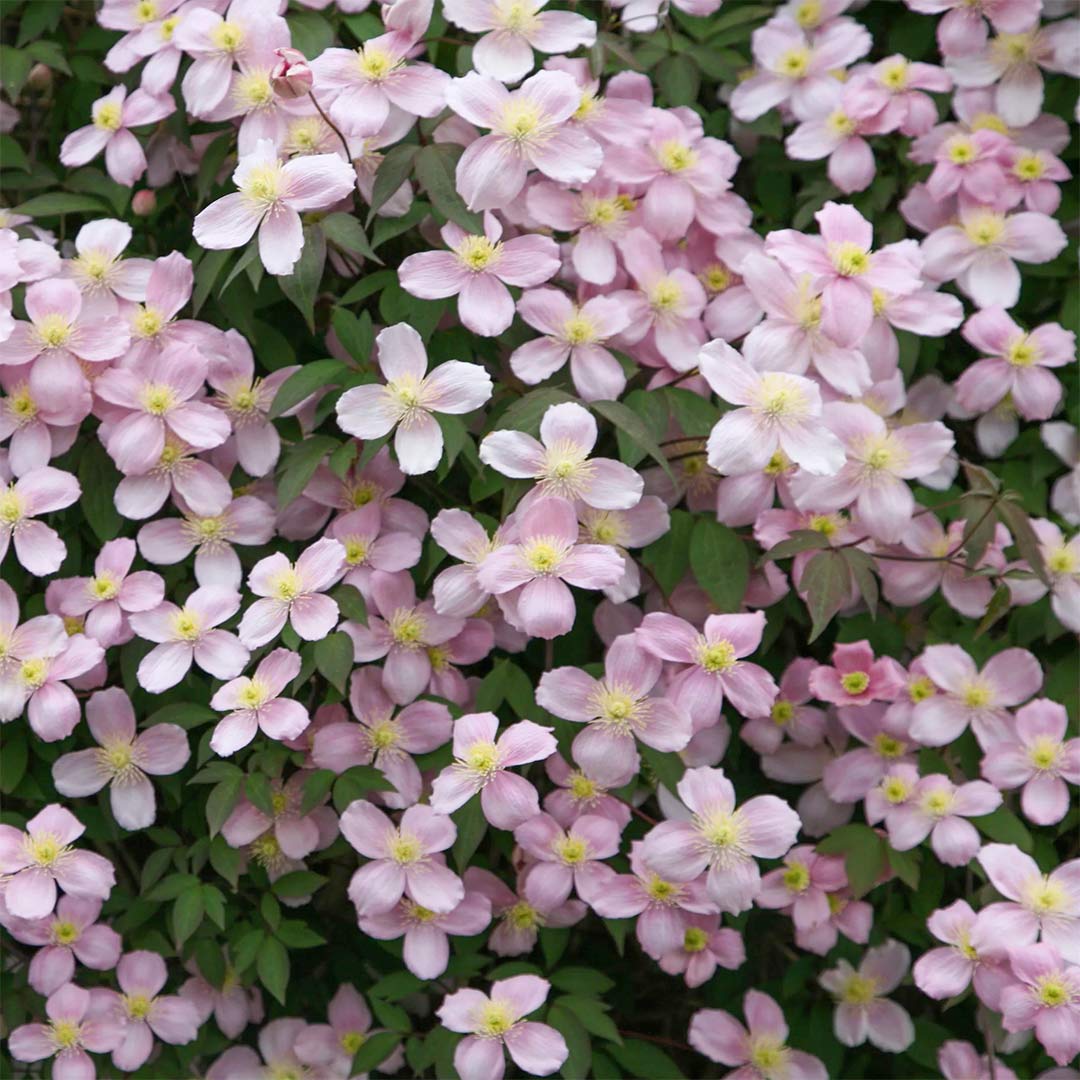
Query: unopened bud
(144, 203)
(40, 78)
(292, 77)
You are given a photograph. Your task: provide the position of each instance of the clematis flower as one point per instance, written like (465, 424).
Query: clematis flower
(457, 590)
(1037, 904)
(155, 399)
(112, 116)
(937, 808)
(147, 1012)
(404, 632)
(1015, 364)
(856, 678)
(41, 858)
(276, 1054)
(575, 333)
(256, 704)
(790, 715)
(177, 472)
(879, 460)
(531, 577)
(1046, 997)
(862, 1010)
(35, 434)
(477, 270)
(887, 745)
(426, 949)
(105, 599)
(269, 199)
(970, 954)
(40, 491)
(616, 710)
(963, 30)
(368, 547)
(959, 1060)
(705, 946)
(70, 933)
(757, 1052)
(1038, 759)
(979, 698)
(528, 130)
(480, 765)
(721, 839)
(101, 274)
(802, 886)
(122, 760)
(711, 664)
(188, 634)
(404, 860)
(334, 1045)
(496, 1022)
(845, 269)
(560, 461)
(79, 1021)
(512, 30)
(410, 397)
(781, 413)
(565, 859)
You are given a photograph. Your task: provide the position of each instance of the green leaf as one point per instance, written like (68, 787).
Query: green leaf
(527, 412)
(375, 1050)
(300, 883)
(905, 865)
(309, 32)
(394, 170)
(272, 965)
(721, 563)
(210, 167)
(356, 782)
(576, 1066)
(299, 463)
(827, 583)
(257, 789)
(298, 935)
(667, 767)
(578, 980)
(645, 1061)
(865, 855)
(98, 479)
(187, 913)
(245, 949)
(999, 606)
(220, 802)
(593, 1016)
(799, 540)
(435, 167)
(668, 558)
(1004, 827)
(679, 80)
(302, 285)
(334, 659)
(351, 603)
(633, 427)
(311, 378)
(185, 714)
(317, 786)
(861, 566)
(347, 232)
(396, 306)
(225, 859)
(695, 415)
(14, 754)
(471, 826)
(214, 903)
(210, 961)
(172, 887)
(355, 333)
(56, 203)
(1016, 520)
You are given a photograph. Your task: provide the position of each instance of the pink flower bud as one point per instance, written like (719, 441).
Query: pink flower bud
(291, 78)
(144, 203)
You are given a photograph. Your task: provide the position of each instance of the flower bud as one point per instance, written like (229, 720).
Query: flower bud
(291, 78)
(144, 203)
(40, 78)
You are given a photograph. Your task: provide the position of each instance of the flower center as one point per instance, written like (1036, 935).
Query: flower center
(578, 330)
(808, 14)
(383, 736)
(1045, 753)
(494, 1020)
(938, 803)
(523, 916)
(985, 228)
(675, 157)
(407, 392)
(961, 150)
(104, 587)
(850, 260)
(782, 712)
(168, 26)
(1058, 561)
(778, 464)
(769, 1054)
(1013, 48)
(616, 705)
(920, 689)
(543, 556)
(363, 493)
(45, 850)
(1053, 991)
(375, 63)
(716, 656)
(723, 832)
(351, 1041)
(777, 397)
(266, 851)
(881, 454)
(53, 331)
(11, 507)
(859, 990)
(665, 295)
(797, 877)
(1046, 896)
(842, 126)
(253, 90)
(356, 551)
(517, 17)
(227, 36)
(1029, 167)
(607, 528)
(483, 758)
(64, 933)
(33, 673)
(587, 106)
(1022, 353)
(65, 1034)
(137, 1005)
(263, 184)
(253, 695)
(572, 850)
(407, 627)
(895, 789)
(108, 115)
(661, 891)
(582, 789)
(855, 682)
(186, 625)
(887, 747)
(977, 695)
(158, 399)
(715, 278)
(601, 211)
(794, 63)
(117, 756)
(93, 265)
(695, 940)
(147, 322)
(895, 74)
(287, 586)
(520, 120)
(477, 253)
(406, 849)
(279, 803)
(145, 11)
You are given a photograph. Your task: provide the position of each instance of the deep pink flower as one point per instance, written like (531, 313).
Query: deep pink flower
(123, 759)
(565, 859)
(862, 1010)
(722, 839)
(856, 678)
(757, 1052)
(41, 858)
(704, 947)
(496, 1022)
(480, 765)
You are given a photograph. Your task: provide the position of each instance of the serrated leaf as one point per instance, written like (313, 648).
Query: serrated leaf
(435, 167)
(721, 563)
(861, 566)
(826, 581)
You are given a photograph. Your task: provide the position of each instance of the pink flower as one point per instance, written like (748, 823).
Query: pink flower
(577, 793)
(704, 947)
(781, 414)
(42, 857)
(575, 333)
(177, 473)
(886, 745)
(531, 577)
(426, 949)
(410, 397)
(481, 763)
(560, 461)
(269, 199)
(457, 590)
(961, 1061)
(404, 632)
(156, 398)
(980, 699)
(757, 1052)
(494, 1023)
(186, 634)
(978, 253)
(404, 859)
(900, 82)
(256, 703)
(1039, 759)
(505, 52)
(1045, 997)
(856, 678)
(528, 130)
(477, 270)
(35, 433)
(1046, 904)
(292, 77)
(40, 491)
(368, 84)
(658, 904)
(79, 1020)
(937, 808)
(879, 460)
(122, 760)
(107, 597)
(112, 115)
(285, 831)
(846, 270)
(276, 1048)
(147, 1012)
(722, 839)
(616, 710)
(292, 592)
(103, 277)
(383, 739)
(370, 547)
(58, 336)
(802, 886)
(710, 663)
(963, 30)
(332, 1045)
(971, 953)
(862, 1010)
(789, 715)
(1016, 364)
(565, 859)
(232, 1005)
(973, 163)
(70, 933)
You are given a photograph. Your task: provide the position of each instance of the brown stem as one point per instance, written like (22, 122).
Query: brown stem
(660, 1040)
